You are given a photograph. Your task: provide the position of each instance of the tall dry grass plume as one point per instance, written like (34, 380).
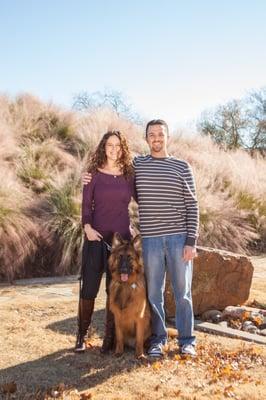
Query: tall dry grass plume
(18, 233)
(43, 149)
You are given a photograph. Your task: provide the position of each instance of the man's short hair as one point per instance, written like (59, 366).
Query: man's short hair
(156, 122)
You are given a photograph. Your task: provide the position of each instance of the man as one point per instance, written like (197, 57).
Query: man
(168, 211)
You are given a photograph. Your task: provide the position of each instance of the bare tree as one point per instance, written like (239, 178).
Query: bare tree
(109, 98)
(225, 125)
(238, 123)
(256, 114)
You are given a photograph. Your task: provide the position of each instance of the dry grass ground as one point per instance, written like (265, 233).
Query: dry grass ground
(37, 334)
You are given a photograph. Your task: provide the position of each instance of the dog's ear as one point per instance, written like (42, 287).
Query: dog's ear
(117, 240)
(137, 244)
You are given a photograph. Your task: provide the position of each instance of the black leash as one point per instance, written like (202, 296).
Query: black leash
(107, 245)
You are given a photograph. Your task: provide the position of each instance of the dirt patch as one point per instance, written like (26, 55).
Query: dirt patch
(37, 335)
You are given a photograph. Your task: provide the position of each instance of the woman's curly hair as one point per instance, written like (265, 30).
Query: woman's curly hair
(98, 158)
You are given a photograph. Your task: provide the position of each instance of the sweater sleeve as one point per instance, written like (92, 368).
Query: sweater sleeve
(87, 201)
(191, 204)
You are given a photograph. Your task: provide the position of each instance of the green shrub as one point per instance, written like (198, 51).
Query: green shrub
(64, 221)
(39, 164)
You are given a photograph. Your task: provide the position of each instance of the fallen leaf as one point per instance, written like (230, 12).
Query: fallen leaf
(10, 387)
(229, 391)
(88, 344)
(156, 365)
(245, 316)
(61, 387)
(85, 396)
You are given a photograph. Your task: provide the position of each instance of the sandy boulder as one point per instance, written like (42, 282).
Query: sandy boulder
(220, 279)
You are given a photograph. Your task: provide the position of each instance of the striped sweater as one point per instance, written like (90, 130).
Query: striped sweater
(166, 197)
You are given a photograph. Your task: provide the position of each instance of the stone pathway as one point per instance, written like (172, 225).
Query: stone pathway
(40, 288)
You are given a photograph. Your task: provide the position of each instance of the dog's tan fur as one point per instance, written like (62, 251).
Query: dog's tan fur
(128, 300)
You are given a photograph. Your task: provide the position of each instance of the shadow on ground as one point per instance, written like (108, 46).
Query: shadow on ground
(69, 326)
(82, 371)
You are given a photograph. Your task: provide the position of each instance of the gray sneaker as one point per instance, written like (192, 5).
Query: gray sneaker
(156, 350)
(188, 349)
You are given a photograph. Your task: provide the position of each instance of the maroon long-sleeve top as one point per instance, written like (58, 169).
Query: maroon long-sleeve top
(105, 204)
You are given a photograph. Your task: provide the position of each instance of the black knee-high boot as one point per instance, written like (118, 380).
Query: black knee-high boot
(86, 308)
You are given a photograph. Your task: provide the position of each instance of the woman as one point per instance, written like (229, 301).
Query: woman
(104, 212)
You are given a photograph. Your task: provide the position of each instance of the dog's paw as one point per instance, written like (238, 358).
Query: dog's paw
(118, 354)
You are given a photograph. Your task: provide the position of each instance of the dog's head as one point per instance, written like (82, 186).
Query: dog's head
(126, 258)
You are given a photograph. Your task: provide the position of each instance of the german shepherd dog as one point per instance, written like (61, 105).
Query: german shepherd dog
(128, 296)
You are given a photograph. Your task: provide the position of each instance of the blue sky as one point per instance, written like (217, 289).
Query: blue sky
(172, 58)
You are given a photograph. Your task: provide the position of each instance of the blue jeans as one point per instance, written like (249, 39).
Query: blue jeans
(161, 253)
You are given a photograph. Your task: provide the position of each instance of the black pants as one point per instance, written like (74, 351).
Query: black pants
(94, 264)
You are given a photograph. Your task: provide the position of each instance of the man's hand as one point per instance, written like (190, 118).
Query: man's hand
(86, 178)
(189, 253)
(92, 234)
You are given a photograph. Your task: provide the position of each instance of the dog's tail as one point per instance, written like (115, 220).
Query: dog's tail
(172, 332)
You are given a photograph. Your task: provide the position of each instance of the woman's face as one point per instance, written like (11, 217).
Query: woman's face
(113, 148)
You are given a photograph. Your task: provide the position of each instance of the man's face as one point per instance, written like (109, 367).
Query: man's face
(157, 138)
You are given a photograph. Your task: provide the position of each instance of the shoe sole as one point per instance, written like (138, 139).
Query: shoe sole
(155, 355)
(188, 354)
(79, 350)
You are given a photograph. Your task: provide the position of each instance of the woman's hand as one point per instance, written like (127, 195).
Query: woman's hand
(86, 178)
(92, 234)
